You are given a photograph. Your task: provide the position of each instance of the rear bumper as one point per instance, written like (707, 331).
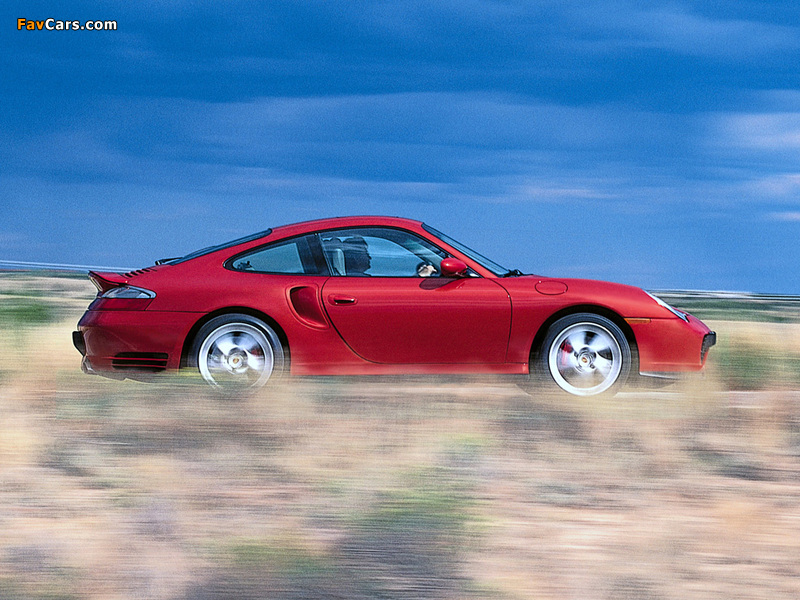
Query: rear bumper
(80, 346)
(120, 343)
(79, 342)
(86, 367)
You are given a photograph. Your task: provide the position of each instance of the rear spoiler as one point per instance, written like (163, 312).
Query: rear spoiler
(104, 281)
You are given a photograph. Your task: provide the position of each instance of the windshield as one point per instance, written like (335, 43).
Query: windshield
(478, 258)
(210, 249)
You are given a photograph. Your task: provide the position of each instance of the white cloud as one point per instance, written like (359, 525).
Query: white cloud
(789, 216)
(785, 185)
(674, 27)
(10, 240)
(776, 131)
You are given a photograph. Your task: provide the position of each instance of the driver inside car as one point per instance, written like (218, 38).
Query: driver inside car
(356, 257)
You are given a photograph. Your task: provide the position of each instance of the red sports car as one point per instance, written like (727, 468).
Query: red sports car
(376, 295)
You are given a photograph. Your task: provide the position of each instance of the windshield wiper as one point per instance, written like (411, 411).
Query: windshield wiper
(513, 273)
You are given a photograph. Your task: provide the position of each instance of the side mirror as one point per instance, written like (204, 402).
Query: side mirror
(452, 267)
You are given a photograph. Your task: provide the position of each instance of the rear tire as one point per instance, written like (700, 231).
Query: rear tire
(584, 354)
(237, 352)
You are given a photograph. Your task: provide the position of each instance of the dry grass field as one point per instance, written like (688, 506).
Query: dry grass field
(398, 488)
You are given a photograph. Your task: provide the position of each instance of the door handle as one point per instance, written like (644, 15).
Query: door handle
(340, 300)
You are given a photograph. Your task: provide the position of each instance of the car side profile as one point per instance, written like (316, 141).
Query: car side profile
(376, 296)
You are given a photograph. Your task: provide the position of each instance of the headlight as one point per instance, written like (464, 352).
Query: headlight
(674, 311)
(129, 293)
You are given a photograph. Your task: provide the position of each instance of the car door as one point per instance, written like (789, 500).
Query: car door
(387, 312)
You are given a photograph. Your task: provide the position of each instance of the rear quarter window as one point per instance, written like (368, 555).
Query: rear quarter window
(293, 257)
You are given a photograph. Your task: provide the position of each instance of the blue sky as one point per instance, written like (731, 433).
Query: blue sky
(656, 143)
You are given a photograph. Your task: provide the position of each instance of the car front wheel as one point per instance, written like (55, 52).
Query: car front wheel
(585, 355)
(236, 351)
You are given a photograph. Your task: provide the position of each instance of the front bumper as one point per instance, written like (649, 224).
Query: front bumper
(709, 340)
(671, 345)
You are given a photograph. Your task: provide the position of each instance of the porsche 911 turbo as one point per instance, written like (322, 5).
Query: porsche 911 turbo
(377, 296)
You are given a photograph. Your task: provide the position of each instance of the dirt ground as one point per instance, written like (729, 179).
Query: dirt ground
(398, 488)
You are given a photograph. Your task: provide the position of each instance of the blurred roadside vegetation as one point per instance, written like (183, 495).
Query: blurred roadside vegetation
(721, 306)
(409, 543)
(399, 489)
(743, 365)
(30, 300)
(753, 351)
(21, 311)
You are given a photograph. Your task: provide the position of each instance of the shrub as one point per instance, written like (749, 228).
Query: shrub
(25, 312)
(746, 367)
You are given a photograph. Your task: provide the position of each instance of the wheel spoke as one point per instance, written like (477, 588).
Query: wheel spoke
(215, 359)
(225, 344)
(577, 340)
(566, 360)
(600, 344)
(251, 346)
(572, 373)
(603, 365)
(255, 362)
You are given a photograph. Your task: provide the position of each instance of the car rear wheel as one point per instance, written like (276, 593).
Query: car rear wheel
(585, 355)
(235, 352)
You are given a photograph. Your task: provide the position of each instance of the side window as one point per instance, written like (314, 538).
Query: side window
(380, 252)
(290, 257)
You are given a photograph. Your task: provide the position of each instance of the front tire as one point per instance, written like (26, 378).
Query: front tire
(584, 355)
(237, 352)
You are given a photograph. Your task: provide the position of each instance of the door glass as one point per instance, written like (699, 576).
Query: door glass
(380, 252)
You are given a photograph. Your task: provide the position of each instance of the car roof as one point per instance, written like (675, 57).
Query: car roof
(341, 222)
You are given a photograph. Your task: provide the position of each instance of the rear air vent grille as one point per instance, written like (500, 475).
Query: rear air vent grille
(138, 272)
(140, 361)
